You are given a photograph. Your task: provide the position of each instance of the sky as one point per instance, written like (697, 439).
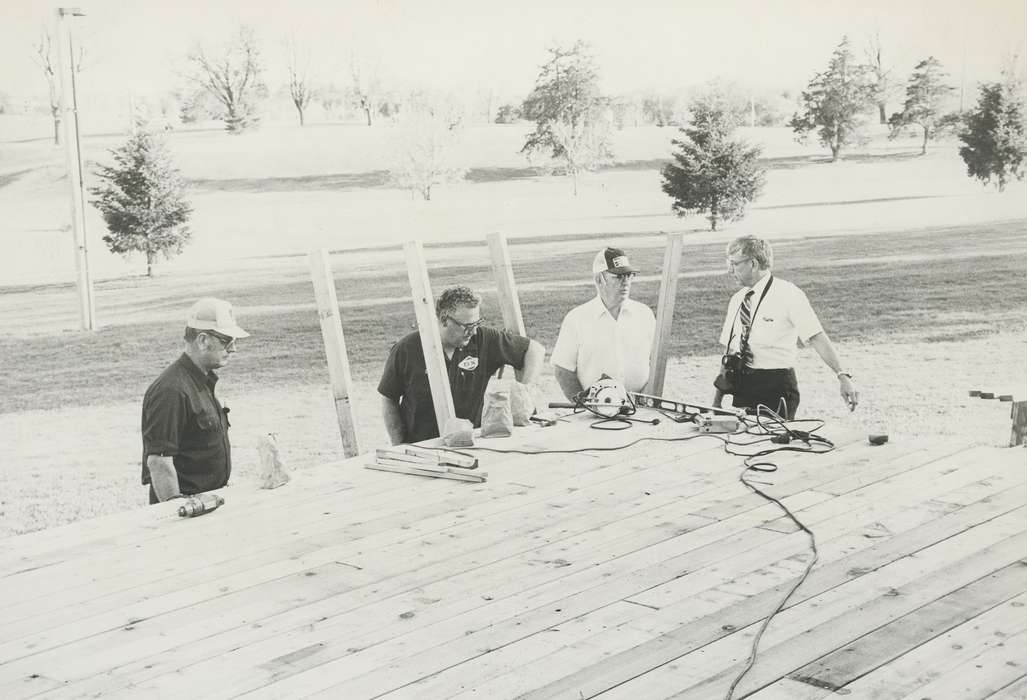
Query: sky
(134, 46)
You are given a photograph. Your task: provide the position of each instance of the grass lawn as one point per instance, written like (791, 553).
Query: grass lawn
(915, 272)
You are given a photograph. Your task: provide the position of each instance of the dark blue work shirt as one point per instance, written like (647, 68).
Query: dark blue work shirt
(405, 378)
(183, 419)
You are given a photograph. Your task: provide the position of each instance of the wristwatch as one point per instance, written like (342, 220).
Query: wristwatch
(845, 374)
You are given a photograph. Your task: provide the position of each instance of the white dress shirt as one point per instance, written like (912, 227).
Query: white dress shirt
(781, 320)
(592, 343)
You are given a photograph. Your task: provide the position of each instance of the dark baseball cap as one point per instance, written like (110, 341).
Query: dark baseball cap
(612, 260)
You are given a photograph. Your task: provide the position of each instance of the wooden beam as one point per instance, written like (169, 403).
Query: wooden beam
(335, 348)
(502, 270)
(431, 341)
(1018, 434)
(665, 313)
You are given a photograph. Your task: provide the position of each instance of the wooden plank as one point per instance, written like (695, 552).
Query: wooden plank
(665, 314)
(1017, 690)
(1018, 432)
(995, 668)
(435, 473)
(335, 348)
(506, 287)
(804, 631)
(379, 591)
(923, 664)
(428, 327)
(669, 646)
(890, 641)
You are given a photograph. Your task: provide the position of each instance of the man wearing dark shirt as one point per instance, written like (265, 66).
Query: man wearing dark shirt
(473, 353)
(184, 426)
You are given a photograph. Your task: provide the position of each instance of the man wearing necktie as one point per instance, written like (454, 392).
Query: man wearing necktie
(765, 320)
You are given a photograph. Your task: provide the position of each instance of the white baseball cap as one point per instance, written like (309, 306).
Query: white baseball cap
(210, 314)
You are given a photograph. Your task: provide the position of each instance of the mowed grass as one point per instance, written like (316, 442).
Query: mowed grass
(927, 285)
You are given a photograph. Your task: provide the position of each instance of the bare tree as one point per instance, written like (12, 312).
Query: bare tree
(884, 83)
(45, 58)
(365, 87)
(233, 77)
(426, 153)
(298, 65)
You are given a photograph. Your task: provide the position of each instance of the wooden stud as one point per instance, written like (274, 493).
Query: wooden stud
(335, 348)
(431, 340)
(665, 313)
(502, 270)
(1018, 434)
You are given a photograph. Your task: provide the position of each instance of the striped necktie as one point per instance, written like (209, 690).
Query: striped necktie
(745, 316)
(745, 313)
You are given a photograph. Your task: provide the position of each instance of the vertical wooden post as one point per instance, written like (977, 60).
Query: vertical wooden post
(502, 270)
(1018, 435)
(665, 313)
(431, 341)
(335, 348)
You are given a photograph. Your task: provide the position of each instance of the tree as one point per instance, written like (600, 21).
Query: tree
(925, 97)
(44, 58)
(298, 65)
(883, 84)
(834, 101)
(141, 198)
(712, 174)
(233, 77)
(994, 134)
(572, 119)
(426, 145)
(366, 87)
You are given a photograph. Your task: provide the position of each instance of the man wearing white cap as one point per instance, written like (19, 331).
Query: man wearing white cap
(185, 428)
(611, 334)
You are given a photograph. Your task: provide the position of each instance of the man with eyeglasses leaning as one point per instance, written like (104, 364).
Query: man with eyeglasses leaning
(185, 428)
(611, 334)
(764, 321)
(473, 353)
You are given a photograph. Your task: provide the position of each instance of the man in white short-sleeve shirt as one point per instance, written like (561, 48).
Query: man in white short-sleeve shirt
(765, 320)
(611, 334)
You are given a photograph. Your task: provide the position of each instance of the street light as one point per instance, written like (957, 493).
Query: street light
(69, 103)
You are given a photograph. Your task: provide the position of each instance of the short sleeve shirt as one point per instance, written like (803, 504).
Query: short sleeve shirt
(405, 378)
(783, 318)
(183, 419)
(593, 343)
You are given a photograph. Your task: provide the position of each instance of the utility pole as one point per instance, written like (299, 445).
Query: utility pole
(69, 109)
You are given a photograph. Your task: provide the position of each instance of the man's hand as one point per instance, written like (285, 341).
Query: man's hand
(850, 395)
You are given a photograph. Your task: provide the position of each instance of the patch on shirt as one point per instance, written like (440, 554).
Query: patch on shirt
(469, 363)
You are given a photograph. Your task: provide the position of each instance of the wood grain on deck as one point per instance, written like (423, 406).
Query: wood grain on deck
(639, 573)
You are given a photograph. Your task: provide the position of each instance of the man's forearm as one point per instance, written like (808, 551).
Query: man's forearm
(825, 348)
(163, 477)
(393, 420)
(534, 357)
(568, 381)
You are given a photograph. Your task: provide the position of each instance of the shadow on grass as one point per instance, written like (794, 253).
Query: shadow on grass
(843, 202)
(10, 178)
(333, 181)
(792, 162)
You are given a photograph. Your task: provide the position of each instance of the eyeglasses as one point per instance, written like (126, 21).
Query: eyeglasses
(226, 342)
(467, 328)
(735, 263)
(626, 277)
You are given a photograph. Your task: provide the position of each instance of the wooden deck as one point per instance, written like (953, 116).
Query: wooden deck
(641, 573)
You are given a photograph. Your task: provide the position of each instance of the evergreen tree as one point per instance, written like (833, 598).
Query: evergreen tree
(712, 174)
(995, 133)
(925, 96)
(835, 100)
(142, 200)
(572, 119)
